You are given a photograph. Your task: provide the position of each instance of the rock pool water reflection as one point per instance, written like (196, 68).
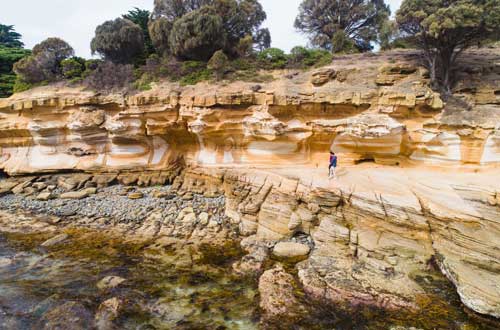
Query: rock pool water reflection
(181, 288)
(161, 291)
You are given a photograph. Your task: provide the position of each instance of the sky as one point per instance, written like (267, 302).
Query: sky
(75, 20)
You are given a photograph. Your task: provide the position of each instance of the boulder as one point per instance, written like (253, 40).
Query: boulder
(44, 196)
(291, 251)
(278, 302)
(321, 77)
(79, 194)
(136, 195)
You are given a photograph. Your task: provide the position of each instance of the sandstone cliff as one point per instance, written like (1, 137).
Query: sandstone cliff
(431, 194)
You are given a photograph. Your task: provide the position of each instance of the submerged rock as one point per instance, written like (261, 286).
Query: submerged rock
(107, 312)
(277, 298)
(4, 262)
(110, 282)
(68, 316)
(55, 240)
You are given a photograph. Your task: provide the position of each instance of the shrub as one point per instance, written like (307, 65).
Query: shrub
(273, 58)
(21, 86)
(32, 71)
(301, 57)
(119, 41)
(73, 67)
(193, 72)
(109, 76)
(218, 64)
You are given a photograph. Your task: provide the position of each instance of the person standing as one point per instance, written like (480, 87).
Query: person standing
(333, 165)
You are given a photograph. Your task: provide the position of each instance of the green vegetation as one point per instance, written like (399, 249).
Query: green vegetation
(218, 64)
(342, 25)
(197, 35)
(44, 65)
(141, 18)
(444, 29)
(196, 40)
(10, 38)
(9, 56)
(195, 30)
(73, 68)
(273, 58)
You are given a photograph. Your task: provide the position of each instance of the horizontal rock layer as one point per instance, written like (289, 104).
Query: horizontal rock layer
(293, 120)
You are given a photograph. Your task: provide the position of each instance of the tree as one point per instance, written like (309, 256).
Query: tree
(358, 19)
(175, 9)
(56, 48)
(262, 39)
(141, 18)
(239, 18)
(218, 63)
(45, 63)
(388, 33)
(9, 37)
(159, 30)
(443, 29)
(197, 35)
(119, 41)
(9, 56)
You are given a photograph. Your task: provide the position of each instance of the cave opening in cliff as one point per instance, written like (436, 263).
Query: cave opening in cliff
(366, 159)
(3, 175)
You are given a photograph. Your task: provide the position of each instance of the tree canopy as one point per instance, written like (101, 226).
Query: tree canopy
(141, 17)
(444, 29)
(197, 35)
(358, 20)
(9, 37)
(238, 19)
(45, 62)
(119, 40)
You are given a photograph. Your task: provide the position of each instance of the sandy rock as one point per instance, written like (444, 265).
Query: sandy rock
(321, 77)
(110, 282)
(55, 240)
(44, 196)
(203, 218)
(291, 251)
(78, 194)
(136, 195)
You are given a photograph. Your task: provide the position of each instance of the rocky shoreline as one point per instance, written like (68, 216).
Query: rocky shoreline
(199, 208)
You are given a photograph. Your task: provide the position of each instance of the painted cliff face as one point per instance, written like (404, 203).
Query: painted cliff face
(380, 110)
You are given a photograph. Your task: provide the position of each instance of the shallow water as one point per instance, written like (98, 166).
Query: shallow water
(181, 289)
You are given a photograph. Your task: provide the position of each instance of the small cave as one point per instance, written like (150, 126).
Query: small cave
(367, 159)
(3, 175)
